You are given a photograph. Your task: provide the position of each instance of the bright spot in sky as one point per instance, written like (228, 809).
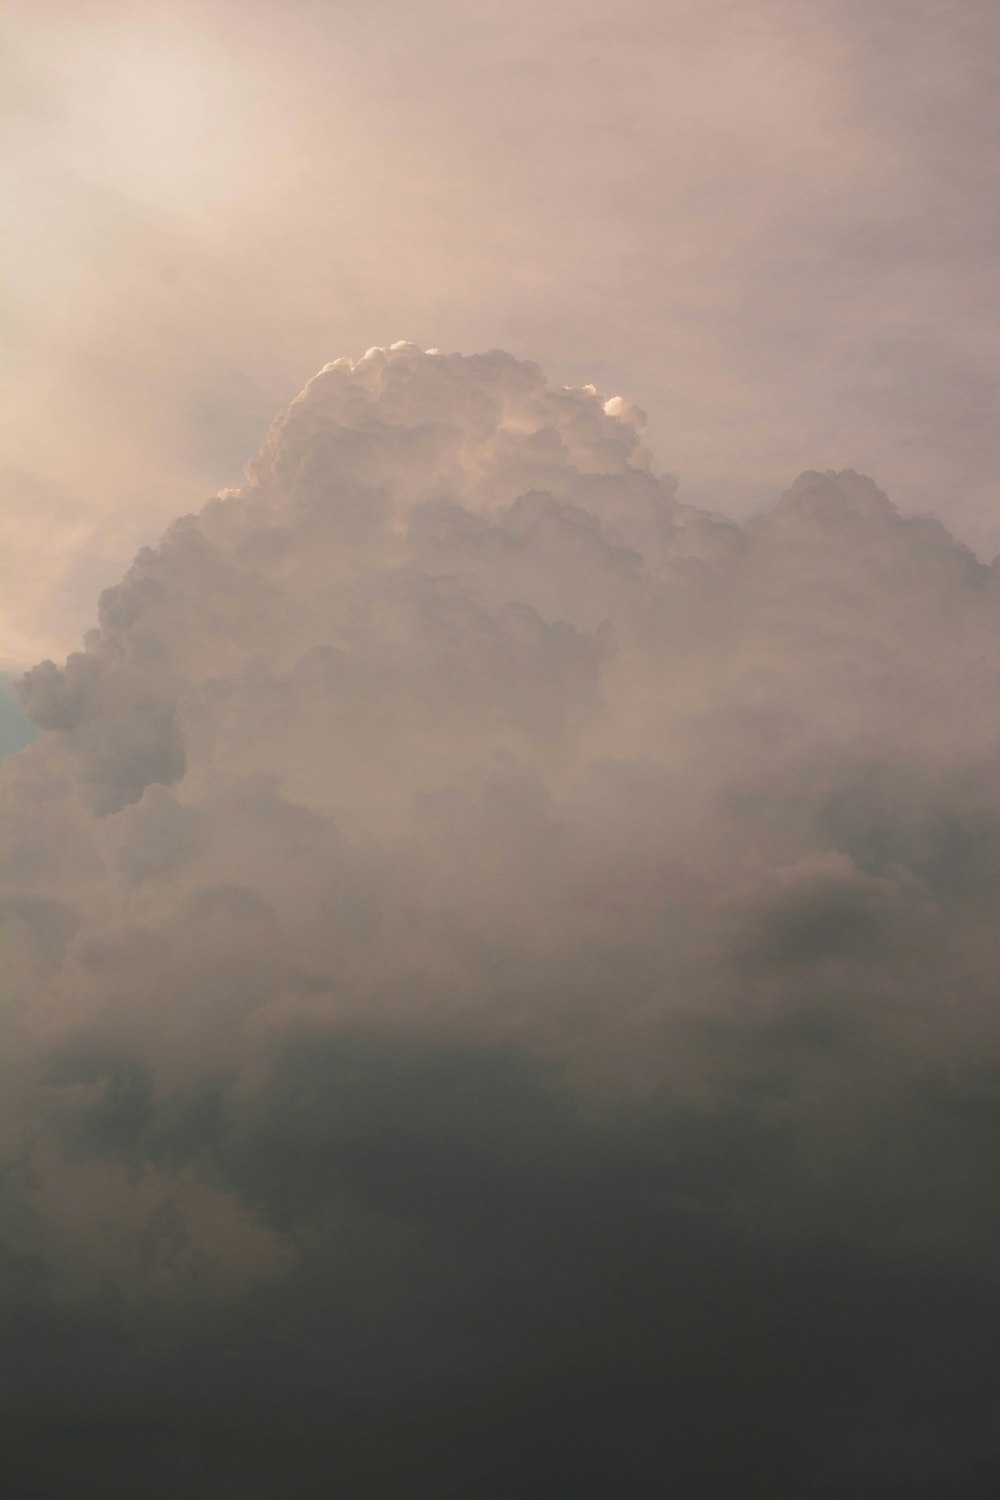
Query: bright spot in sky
(151, 115)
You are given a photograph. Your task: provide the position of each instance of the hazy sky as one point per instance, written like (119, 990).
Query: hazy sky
(500, 918)
(771, 224)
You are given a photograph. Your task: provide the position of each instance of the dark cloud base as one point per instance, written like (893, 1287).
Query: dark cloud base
(533, 1299)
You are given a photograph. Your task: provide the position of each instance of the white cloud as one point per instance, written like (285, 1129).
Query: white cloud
(731, 211)
(455, 717)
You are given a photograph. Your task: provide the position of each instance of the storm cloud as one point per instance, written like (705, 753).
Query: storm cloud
(503, 979)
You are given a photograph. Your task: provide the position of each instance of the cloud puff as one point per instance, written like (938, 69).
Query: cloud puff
(499, 954)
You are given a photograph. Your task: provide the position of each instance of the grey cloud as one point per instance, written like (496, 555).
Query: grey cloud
(123, 737)
(498, 948)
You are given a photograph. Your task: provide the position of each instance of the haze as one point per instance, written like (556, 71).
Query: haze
(772, 225)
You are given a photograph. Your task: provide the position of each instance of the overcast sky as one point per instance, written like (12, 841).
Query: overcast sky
(771, 224)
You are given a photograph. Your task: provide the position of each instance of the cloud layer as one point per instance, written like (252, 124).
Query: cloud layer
(503, 971)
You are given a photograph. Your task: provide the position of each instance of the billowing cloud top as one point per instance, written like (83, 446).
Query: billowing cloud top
(487, 939)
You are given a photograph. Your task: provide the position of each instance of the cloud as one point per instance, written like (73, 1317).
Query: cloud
(735, 213)
(502, 976)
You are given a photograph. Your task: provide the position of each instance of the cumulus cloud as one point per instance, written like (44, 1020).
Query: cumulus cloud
(503, 976)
